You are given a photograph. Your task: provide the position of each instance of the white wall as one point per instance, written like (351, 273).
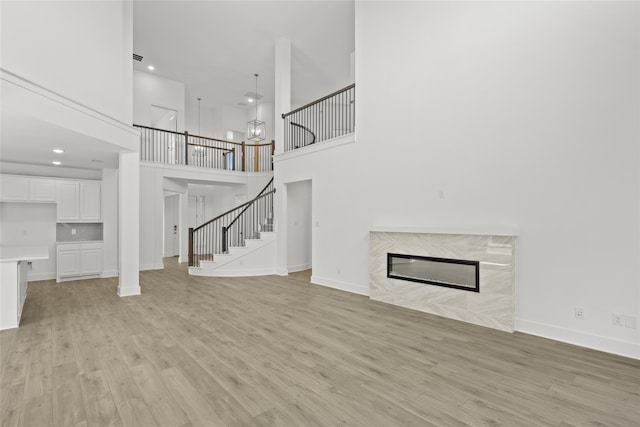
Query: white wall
(299, 226)
(513, 115)
(31, 224)
(41, 42)
(149, 89)
(110, 221)
(217, 198)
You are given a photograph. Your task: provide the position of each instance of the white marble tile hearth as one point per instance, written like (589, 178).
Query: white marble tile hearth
(492, 307)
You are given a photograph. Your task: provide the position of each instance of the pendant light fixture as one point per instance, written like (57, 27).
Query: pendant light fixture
(256, 129)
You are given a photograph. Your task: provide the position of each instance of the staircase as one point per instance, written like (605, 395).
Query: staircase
(239, 242)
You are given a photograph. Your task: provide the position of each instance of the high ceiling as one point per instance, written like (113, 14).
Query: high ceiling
(215, 47)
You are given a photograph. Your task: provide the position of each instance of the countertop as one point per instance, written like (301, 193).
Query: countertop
(23, 253)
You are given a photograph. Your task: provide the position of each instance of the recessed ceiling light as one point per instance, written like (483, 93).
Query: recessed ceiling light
(250, 99)
(58, 150)
(151, 67)
(57, 163)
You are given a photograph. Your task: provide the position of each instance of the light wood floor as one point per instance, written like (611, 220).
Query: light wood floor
(277, 351)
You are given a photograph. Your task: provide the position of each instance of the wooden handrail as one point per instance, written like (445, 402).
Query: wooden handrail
(324, 98)
(237, 207)
(189, 134)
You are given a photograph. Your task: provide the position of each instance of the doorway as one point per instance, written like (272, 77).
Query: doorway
(171, 241)
(299, 226)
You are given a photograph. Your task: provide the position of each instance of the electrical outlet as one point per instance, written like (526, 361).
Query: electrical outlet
(579, 313)
(618, 320)
(73, 231)
(630, 322)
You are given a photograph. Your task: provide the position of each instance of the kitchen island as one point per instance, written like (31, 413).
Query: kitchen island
(13, 280)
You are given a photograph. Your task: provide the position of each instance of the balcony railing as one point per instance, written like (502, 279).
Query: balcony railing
(326, 118)
(174, 148)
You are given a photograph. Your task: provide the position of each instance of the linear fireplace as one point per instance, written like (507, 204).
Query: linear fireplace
(493, 307)
(447, 272)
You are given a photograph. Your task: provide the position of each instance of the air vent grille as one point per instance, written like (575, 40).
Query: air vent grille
(137, 57)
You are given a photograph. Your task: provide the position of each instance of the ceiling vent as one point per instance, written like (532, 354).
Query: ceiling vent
(137, 57)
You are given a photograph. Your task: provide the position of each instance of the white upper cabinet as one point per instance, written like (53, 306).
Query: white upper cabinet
(90, 201)
(14, 188)
(42, 190)
(79, 201)
(68, 201)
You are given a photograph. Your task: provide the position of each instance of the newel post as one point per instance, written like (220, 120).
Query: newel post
(186, 149)
(243, 165)
(190, 246)
(225, 245)
(273, 151)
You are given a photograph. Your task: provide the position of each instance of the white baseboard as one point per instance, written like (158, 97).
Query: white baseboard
(343, 286)
(128, 291)
(232, 273)
(151, 266)
(299, 267)
(31, 277)
(109, 273)
(582, 339)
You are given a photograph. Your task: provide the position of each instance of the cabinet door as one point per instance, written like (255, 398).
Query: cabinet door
(68, 198)
(90, 201)
(42, 190)
(14, 188)
(69, 263)
(91, 261)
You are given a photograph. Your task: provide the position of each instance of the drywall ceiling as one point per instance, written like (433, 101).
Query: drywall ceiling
(26, 139)
(215, 47)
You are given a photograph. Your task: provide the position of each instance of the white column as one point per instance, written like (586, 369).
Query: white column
(283, 89)
(129, 224)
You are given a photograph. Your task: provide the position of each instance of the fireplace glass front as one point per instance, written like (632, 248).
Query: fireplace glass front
(450, 273)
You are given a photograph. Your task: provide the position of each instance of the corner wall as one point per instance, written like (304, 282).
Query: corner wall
(496, 114)
(514, 114)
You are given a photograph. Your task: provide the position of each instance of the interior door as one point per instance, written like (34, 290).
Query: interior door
(171, 218)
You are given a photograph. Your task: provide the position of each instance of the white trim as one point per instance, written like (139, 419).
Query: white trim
(151, 266)
(299, 267)
(343, 286)
(579, 338)
(197, 271)
(314, 148)
(109, 273)
(40, 276)
(129, 291)
(475, 231)
(35, 88)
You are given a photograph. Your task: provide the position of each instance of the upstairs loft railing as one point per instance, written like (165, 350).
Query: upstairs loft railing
(165, 146)
(326, 118)
(232, 228)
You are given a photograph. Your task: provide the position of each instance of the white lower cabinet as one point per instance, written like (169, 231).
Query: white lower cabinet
(78, 260)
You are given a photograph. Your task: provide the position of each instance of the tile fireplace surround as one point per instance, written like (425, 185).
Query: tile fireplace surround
(493, 306)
